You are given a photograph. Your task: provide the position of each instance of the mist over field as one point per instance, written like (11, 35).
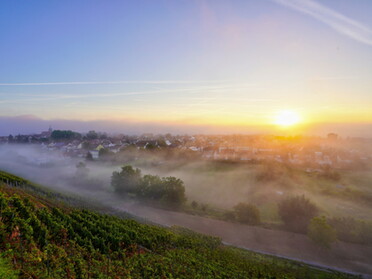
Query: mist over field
(217, 186)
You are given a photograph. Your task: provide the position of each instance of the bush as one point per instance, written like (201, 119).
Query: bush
(6, 270)
(194, 205)
(168, 190)
(126, 180)
(352, 230)
(247, 214)
(321, 232)
(296, 213)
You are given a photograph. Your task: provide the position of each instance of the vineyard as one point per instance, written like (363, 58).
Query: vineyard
(40, 238)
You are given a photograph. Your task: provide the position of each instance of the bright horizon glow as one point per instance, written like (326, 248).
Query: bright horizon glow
(287, 118)
(221, 64)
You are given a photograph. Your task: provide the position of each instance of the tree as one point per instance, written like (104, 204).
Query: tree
(168, 190)
(103, 136)
(64, 134)
(151, 186)
(174, 191)
(321, 232)
(92, 135)
(127, 180)
(296, 213)
(247, 214)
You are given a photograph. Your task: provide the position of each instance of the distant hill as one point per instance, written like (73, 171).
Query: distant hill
(43, 236)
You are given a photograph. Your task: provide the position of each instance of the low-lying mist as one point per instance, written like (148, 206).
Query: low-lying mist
(213, 183)
(220, 185)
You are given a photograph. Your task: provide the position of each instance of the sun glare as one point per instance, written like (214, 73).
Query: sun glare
(287, 118)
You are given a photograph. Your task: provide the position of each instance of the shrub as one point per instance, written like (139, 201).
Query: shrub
(194, 205)
(296, 213)
(6, 270)
(247, 214)
(174, 191)
(321, 232)
(352, 230)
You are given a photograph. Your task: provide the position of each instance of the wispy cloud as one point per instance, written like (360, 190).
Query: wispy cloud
(185, 91)
(339, 22)
(112, 82)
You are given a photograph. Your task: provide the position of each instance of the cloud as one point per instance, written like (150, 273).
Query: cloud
(37, 97)
(111, 82)
(339, 22)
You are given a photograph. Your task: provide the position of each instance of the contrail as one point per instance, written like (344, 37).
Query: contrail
(339, 22)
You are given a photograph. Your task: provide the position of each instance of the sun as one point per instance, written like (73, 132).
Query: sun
(287, 118)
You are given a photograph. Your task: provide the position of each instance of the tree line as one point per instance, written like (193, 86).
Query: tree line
(169, 191)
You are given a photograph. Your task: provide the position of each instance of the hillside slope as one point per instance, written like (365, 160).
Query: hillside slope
(43, 238)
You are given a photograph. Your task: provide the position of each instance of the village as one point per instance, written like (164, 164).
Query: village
(310, 153)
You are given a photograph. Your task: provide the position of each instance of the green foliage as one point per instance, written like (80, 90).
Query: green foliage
(247, 214)
(91, 135)
(169, 191)
(65, 134)
(19, 182)
(127, 180)
(321, 232)
(352, 230)
(150, 186)
(50, 242)
(6, 271)
(173, 191)
(296, 213)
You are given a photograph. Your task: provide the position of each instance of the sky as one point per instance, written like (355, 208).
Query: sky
(186, 65)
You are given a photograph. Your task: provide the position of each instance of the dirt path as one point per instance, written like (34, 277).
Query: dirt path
(342, 256)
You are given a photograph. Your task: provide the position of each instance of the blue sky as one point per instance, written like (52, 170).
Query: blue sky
(191, 62)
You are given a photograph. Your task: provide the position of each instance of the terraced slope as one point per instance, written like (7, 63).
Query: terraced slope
(42, 238)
